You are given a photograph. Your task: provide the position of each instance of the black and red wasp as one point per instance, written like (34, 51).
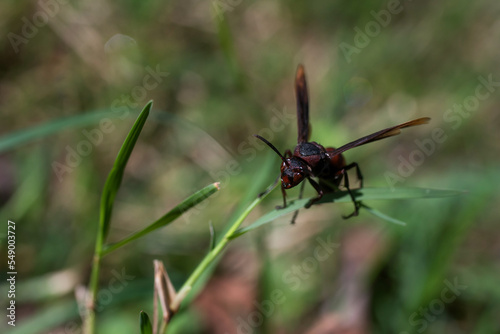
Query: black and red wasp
(310, 159)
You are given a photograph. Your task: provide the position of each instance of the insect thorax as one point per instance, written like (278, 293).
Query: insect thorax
(308, 149)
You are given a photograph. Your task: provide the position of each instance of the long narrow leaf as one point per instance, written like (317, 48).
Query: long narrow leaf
(172, 215)
(360, 194)
(39, 131)
(390, 193)
(202, 274)
(22, 136)
(383, 216)
(115, 176)
(145, 323)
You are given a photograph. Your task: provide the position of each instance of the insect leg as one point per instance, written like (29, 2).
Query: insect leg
(358, 172)
(318, 188)
(296, 213)
(284, 198)
(346, 184)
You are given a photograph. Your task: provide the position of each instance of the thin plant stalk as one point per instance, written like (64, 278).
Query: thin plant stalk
(108, 195)
(89, 323)
(212, 255)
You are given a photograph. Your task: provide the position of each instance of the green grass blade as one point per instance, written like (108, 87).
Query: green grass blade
(169, 217)
(383, 216)
(115, 176)
(108, 196)
(205, 269)
(360, 194)
(260, 178)
(207, 262)
(22, 136)
(390, 193)
(145, 324)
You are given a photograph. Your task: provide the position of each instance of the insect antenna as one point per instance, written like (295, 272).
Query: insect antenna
(273, 148)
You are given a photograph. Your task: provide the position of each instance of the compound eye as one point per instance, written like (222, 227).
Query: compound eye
(297, 177)
(286, 178)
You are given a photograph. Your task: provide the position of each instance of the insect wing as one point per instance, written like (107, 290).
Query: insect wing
(389, 132)
(302, 105)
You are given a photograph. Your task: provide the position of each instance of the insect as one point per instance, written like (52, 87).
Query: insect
(328, 165)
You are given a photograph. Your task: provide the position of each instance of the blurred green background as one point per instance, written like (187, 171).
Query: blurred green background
(224, 70)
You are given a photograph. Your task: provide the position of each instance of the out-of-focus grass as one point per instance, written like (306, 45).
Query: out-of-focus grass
(427, 59)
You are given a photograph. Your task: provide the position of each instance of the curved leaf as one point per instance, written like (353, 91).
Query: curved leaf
(115, 176)
(169, 217)
(360, 195)
(39, 131)
(145, 323)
